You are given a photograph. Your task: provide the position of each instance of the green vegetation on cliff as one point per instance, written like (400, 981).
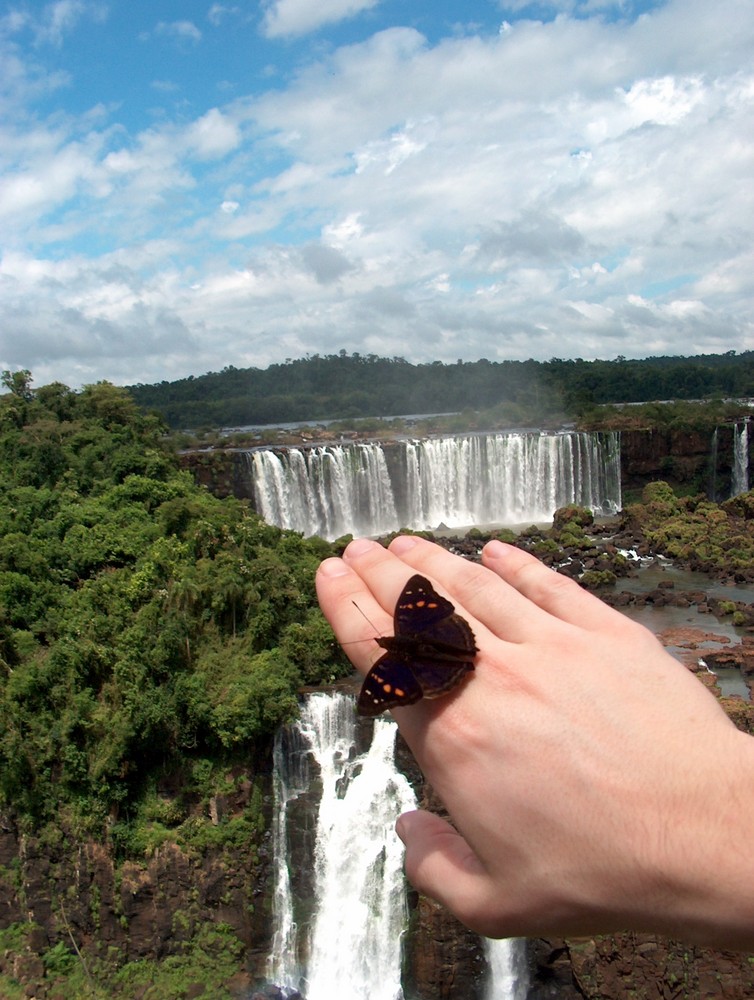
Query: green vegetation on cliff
(146, 627)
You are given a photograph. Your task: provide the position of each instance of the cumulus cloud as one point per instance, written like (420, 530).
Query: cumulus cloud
(183, 32)
(213, 135)
(573, 187)
(298, 17)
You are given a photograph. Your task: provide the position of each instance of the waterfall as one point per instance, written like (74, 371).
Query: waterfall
(347, 940)
(740, 478)
(352, 946)
(457, 481)
(509, 972)
(327, 491)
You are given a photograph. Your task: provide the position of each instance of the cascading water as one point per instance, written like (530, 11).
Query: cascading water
(346, 940)
(457, 481)
(326, 491)
(740, 478)
(352, 946)
(508, 970)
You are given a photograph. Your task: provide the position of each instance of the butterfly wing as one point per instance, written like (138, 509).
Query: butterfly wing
(390, 682)
(438, 677)
(424, 614)
(419, 607)
(430, 654)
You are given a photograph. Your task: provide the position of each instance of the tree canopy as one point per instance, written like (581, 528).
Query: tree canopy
(145, 626)
(354, 385)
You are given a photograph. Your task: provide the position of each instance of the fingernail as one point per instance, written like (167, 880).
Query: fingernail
(495, 549)
(402, 543)
(404, 824)
(333, 567)
(359, 546)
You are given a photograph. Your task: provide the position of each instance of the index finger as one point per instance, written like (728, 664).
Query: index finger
(355, 615)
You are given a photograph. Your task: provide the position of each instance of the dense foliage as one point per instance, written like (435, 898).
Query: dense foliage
(693, 531)
(144, 625)
(353, 385)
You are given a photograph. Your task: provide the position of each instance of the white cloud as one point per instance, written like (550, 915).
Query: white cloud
(575, 188)
(181, 31)
(213, 135)
(298, 17)
(51, 22)
(219, 12)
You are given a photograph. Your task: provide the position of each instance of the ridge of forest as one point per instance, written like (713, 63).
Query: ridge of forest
(347, 386)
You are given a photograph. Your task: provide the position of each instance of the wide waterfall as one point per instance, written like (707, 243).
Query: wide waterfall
(341, 935)
(740, 477)
(374, 488)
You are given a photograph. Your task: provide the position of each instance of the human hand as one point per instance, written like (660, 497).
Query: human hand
(593, 783)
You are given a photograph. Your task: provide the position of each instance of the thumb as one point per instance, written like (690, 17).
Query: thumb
(440, 864)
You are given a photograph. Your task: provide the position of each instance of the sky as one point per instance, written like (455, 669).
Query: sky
(187, 185)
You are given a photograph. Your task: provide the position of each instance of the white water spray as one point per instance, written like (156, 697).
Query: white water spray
(457, 481)
(740, 478)
(508, 969)
(353, 946)
(325, 491)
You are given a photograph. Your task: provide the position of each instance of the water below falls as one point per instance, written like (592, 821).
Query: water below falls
(374, 488)
(342, 934)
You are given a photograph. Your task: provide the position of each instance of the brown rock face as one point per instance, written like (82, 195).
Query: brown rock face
(650, 968)
(75, 891)
(679, 457)
(445, 961)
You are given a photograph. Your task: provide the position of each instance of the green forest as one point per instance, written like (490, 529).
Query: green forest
(347, 386)
(145, 626)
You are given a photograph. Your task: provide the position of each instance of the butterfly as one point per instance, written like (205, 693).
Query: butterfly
(431, 652)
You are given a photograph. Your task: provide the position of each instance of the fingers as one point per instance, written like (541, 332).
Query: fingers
(554, 593)
(358, 594)
(476, 589)
(513, 596)
(356, 616)
(440, 864)
(534, 600)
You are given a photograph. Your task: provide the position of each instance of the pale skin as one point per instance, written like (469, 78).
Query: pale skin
(593, 783)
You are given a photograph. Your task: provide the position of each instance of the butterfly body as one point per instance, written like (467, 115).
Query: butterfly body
(431, 652)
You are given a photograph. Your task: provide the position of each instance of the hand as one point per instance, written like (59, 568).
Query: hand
(593, 783)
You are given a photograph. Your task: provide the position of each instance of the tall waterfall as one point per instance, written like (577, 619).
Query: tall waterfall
(352, 946)
(346, 939)
(372, 489)
(740, 478)
(509, 973)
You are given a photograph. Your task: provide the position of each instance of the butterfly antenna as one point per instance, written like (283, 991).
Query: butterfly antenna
(364, 615)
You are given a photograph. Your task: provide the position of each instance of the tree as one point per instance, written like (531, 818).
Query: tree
(19, 383)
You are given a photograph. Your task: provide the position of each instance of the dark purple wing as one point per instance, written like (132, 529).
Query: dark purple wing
(419, 606)
(437, 677)
(430, 654)
(423, 614)
(390, 682)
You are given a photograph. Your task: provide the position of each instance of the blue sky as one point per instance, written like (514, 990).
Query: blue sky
(189, 185)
